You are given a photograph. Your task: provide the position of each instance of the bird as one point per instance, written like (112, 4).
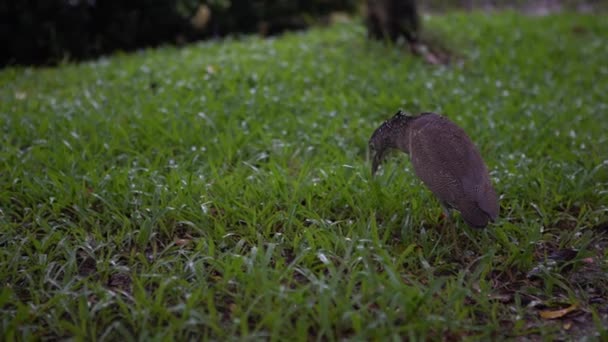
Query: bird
(445, 159)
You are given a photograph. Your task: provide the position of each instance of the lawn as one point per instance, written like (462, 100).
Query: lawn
(221, 190)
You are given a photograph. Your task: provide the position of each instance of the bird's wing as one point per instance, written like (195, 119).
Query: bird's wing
(487, 199)
(442, 160)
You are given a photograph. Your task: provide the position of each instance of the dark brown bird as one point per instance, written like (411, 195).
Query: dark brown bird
(446, 160)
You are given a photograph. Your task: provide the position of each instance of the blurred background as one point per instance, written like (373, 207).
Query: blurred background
(47, 32)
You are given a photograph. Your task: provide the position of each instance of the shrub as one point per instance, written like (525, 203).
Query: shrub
(48, 31)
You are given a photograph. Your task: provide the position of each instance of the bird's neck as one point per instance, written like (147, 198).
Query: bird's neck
(402, 139)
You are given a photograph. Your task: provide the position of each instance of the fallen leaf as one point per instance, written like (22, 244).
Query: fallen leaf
(201, 18)
(182, 242)
(504, 297)
(431, 58)
(549, 314)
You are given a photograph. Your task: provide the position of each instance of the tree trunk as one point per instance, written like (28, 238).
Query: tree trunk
(392, 19)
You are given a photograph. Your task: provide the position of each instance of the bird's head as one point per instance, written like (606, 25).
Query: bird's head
(385, 138)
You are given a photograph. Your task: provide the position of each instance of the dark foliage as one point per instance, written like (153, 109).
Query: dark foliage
(392, 19)
(49, 31)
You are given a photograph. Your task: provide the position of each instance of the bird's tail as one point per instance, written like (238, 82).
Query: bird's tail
(474, 216)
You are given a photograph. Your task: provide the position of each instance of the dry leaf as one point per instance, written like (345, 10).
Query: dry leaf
(504, 297)
(201, 18)
(548, 314)
(431, 58)
(182, 242)
(589, 261)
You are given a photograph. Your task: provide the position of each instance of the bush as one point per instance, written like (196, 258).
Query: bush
(48, 31)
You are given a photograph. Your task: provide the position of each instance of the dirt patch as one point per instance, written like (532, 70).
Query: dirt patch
(121, 282)
(87, 266)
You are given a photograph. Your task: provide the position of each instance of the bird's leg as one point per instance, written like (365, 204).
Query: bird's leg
(449, 224)
(446, 215)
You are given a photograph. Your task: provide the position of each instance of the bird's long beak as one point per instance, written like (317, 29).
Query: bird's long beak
(376, 157)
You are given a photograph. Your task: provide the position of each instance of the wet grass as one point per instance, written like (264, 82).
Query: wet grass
(221, 190)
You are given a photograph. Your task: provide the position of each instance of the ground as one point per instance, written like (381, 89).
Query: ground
(222, 190)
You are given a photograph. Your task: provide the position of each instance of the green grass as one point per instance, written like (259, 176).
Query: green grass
(221, 190)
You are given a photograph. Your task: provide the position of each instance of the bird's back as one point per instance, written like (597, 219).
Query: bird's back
(450, 165)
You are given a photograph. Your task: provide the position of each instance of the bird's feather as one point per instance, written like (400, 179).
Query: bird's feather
(448, 162)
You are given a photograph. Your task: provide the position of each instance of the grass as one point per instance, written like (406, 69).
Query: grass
(221, 191)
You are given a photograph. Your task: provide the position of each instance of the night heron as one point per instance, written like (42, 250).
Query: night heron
(445, 159)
